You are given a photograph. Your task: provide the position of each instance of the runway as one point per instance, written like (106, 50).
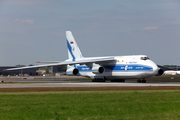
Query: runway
(78, 83)
(85, 84)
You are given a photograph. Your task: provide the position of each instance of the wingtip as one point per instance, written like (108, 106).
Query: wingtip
(5, 70)
(38, 62)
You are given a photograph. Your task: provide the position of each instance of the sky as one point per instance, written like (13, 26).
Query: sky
(34, 30)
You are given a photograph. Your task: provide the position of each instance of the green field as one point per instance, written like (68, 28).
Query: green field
(91, 105)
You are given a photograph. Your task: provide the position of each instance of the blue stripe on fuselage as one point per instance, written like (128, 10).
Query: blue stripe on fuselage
(127, 67)
(119, 68)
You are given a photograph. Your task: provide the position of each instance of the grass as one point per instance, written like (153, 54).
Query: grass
(90, 105)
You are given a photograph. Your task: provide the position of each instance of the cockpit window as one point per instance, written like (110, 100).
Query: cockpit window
(144, 58)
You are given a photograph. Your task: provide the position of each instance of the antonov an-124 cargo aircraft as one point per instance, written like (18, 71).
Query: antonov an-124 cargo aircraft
(101, 69)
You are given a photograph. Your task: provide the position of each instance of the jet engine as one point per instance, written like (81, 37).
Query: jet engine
(98, 70)
(160, 72)
(72, 71)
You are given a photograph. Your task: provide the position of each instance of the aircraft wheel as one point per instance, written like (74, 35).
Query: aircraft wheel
(139, 81)
(143, 81)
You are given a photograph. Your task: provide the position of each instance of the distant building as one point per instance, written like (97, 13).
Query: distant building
(29, 71)
(57, 69)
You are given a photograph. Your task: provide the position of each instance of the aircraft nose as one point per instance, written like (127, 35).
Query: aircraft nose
(155, 68)
(157, 71)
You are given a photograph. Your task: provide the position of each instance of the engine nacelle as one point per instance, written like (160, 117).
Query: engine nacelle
(160, 72)
(72, 71)
(98, 70)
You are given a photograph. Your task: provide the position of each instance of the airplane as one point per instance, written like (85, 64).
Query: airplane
(171, 72)
(101, 69)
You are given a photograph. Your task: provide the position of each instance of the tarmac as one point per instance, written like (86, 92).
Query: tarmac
(73, 81)
(85, 84)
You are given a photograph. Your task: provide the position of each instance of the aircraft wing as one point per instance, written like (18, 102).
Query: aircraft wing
(48, 61)
(83, 61)
(36, 66)
(100, 61)
(165, 68)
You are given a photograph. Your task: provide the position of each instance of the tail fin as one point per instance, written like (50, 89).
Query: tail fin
(73, 49)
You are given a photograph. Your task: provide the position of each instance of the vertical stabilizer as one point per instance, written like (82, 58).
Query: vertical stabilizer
(73, 49)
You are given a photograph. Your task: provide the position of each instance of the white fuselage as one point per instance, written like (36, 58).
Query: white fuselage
(125, 67)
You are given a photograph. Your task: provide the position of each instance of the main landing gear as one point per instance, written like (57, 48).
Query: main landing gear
(98, 80)
(121, 80)
(141, 81)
